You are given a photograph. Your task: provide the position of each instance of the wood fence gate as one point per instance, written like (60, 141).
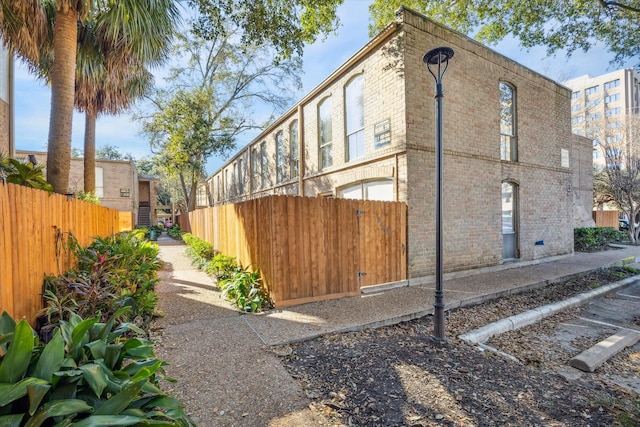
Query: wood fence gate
(310, 249)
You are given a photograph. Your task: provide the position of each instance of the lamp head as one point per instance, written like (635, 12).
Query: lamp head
(437, 56)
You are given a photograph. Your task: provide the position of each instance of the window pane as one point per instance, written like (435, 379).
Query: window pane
(354, 100)
(280, 163)
(293, 144)
(354, 107)
(356, 145)
(264, 165)
(353, 192)
(508, 149)
(507, 208)
(326, 156)
(379, 190)
(325, 130)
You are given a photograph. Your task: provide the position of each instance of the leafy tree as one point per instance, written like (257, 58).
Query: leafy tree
(45, 34)
(286, 26)
(208, 102)
(110, 152)
(569, 25)
(618, 182)
(104, 86)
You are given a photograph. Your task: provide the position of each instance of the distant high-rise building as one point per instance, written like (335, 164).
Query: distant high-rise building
(602, 109)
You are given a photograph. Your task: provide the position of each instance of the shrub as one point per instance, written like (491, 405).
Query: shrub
(593, 239)
(221, 266)
(113, 272)
(244, 290)
(175, 232)
(88, 197)
(89, 374)
(200, 251)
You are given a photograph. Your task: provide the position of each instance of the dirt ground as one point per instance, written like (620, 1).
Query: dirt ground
(398, 376)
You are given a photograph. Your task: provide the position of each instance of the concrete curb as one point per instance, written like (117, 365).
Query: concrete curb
(590, 359)
(512, 323)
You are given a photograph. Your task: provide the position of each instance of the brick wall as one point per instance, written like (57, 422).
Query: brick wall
(398, 88)
(474, 171)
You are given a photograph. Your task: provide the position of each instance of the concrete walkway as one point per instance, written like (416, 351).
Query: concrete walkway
(217, 354)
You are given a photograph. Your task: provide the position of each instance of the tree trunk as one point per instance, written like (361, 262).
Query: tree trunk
(62, 74)
(90, 152)
(192, 196)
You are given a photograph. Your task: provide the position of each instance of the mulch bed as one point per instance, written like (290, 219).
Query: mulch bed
(398, 376)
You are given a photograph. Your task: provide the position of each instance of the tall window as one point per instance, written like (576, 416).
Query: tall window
(509, 220)
(294, 161)
(508, 145)
(280, 158)
(325, 133)
(354, 110)
(255, 168)
(227, 184)
(264, 166)
(240, 178)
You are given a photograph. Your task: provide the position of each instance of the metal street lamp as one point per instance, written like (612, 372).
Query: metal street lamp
(438, 58)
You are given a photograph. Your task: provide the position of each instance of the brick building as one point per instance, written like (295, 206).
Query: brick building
(605, 109)
(118, 185)
(516, 180)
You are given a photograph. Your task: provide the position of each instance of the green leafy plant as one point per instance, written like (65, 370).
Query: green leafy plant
(221, 266)
(89, 374)
(175, 232)
(244, 289)
(592, 239)
(200, 251)
(88, 197)
(113, 272)
(26, 174)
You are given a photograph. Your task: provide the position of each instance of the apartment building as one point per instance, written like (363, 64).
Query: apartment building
(516, 180)
(118, 185)
(604, 108)
(7, 140)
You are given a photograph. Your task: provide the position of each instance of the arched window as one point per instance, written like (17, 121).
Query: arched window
(354, 117)
(508, 140)
(264, 166)
(325, 133)
(280, 158)
(294, 152)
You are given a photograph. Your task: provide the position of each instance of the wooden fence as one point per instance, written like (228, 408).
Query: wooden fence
(32, 229)
(310, 249)
(606, 218)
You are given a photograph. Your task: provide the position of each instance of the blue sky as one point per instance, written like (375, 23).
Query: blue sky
(320, 59)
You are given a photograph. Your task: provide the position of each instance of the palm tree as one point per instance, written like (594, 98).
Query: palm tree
(141, 27)
(23, 25)
(100, 90)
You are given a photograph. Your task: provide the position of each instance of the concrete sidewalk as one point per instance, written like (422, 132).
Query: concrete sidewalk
(392, 306)
(217, 353)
